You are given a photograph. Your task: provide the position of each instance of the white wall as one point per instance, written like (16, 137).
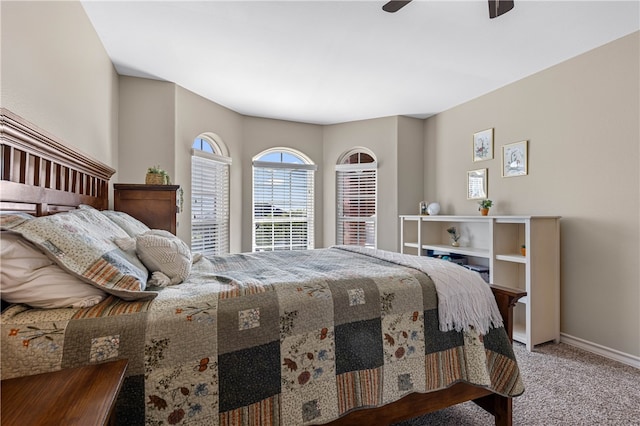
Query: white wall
(581, 119)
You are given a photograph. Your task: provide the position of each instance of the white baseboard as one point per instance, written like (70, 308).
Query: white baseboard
(604, 351)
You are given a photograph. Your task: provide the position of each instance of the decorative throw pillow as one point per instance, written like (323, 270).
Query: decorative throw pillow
(81, 242)
(128, 223)
(167, 256)
(28, 276)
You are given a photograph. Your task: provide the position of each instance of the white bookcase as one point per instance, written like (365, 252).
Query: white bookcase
(495, 241)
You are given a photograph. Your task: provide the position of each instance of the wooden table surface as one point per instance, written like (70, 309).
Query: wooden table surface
(75, 396)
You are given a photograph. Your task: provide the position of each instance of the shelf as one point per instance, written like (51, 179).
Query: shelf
(520, 219)
(466, 251)
(494, 242)
(517, 258)
(410, 217)
(467, 219)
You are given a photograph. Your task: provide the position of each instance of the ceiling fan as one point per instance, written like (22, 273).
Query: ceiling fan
(496, 7)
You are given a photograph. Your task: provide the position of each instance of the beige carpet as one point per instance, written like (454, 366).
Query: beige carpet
(564, 385)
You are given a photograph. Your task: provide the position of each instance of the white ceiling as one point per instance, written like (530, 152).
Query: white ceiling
(336, 61)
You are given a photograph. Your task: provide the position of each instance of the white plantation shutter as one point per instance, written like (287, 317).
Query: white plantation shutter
(282, 206)
(209, 203)
(356, 201)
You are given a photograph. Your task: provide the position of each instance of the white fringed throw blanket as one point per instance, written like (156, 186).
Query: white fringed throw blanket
(465, 301)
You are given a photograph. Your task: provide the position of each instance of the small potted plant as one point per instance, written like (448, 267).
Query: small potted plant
(157, 176)
(453, 233)
(485, 205)
(523, 250)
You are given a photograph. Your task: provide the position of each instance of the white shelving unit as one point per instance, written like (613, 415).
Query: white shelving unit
(495, 241)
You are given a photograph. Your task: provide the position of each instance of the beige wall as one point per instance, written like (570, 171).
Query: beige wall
(147, 128)
(196, 115)
(411, 168)
(56, 74)
(159, 122)
(261, 134)
(397, 143)
(380, 136)
(581, 119)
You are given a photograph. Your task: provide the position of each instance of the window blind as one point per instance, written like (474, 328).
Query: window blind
(282, 206)
(209, 203)
(356, 204)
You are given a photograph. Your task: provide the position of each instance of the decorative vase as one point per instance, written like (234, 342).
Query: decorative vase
(484, 212)
(455, 243)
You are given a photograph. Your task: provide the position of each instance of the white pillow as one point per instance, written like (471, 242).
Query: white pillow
(164, 254)
(81, 242)
(28, 276)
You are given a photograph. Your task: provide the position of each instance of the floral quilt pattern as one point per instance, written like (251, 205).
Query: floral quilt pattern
(272, 338)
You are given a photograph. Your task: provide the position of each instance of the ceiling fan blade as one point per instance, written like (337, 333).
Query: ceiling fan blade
(394, 6)
(499, 7)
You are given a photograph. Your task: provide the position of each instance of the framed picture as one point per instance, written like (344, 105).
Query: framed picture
(514, 159)
(477, 184)
(483, 145)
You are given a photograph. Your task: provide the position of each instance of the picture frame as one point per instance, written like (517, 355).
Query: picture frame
(483, 145)
(477, 184)
(514, 159)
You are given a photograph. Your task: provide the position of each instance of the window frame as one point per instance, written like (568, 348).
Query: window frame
(215, 229)
(344, 170)
(278, 170)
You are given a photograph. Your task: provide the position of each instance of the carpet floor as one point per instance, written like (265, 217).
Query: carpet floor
(564, 385)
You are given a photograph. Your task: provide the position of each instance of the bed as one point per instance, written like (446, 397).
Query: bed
(342, 335)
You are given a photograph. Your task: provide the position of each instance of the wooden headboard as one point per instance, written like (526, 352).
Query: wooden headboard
(41, 175)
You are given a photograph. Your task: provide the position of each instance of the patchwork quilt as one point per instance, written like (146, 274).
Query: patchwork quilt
(288, 338)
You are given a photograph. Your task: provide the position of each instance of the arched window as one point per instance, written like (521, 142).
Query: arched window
(282, 200)
(209, 196)
(356, 193)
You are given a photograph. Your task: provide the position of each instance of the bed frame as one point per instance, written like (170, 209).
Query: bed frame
(41, 176)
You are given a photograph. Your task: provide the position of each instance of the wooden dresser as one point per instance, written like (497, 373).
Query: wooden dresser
(154, 205)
